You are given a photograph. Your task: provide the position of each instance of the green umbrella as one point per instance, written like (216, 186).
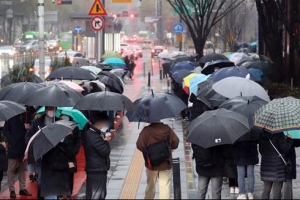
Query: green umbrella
(295, 134)
(111, 55)
(115, 62)
(76, 115)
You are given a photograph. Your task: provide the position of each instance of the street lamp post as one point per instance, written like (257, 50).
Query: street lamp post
(41, 9)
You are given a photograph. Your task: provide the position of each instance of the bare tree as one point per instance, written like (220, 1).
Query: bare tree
(200, 16)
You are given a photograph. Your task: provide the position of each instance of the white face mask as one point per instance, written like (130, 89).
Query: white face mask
(64, 117)
(50, 113)
(104, 129)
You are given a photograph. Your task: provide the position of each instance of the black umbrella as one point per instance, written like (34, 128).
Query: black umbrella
(49, 137)
(113, 82)
(209, 67)
(217, 127)
(104, 67)
(167, 66)
(9, 109)
(15, 92)
(212, 57)
(53, 95)
(71, 73)
(154, 107)
(5, 80)
(180, 74)
(101, 101)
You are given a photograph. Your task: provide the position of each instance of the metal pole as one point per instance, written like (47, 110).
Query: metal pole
(103, 34)
(149, 79)
(99, 51)
(176, 178)
(41, 39)
(144, 69)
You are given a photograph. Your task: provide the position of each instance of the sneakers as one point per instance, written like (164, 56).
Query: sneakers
(232, 190)
(25, 193)
(242, 196)
(13, 194)
(250, 196)
(236, 190)
(31, 178)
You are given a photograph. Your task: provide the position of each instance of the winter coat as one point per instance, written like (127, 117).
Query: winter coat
(291, 156)
(246, 153)
(3, 159)
(211, 155)
(71, 145)
(272, 167)
(156, 132)
(96, 151)
(198, 107)
(14, 131)
(180, 93)
(230, 169)
(55, 173)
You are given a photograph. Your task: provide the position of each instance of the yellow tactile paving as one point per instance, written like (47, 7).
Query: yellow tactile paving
(132, 181)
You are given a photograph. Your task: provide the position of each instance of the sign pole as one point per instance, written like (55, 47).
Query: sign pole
(180, 42)
(99, 51)
(41, 10)
(102, 32)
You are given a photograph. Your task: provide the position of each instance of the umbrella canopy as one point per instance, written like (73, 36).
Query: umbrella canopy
(5, 80)
(102, 101)
(217, 127)
(257, 73)
(118, 72)
(115, 62)
(236, 86)
(71, 73)
(211, 67)
(266, 68)
(232, 72)
(208, 96)
(154, 107)
(187, 65)
(179, 75)
(15, 92)
(237, 57)
(194, 80)
(99, 84)
(111, 55)
(104, 67)
(177, 54)
(49, 137)
(53, 95)
(294, 133)
(93, 69)
(244, 105)
(9, 109)
(212, 57)
(111, 81)
(253, 44)
(164, 55)
(76, 115)
(279, 115)
(72, 85)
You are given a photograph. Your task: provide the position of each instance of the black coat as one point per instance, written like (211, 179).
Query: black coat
(55, 173)
(212, 155)
(272, 167)
(230, 170)
(96, 151)
(291, 156)
(14, 131)
(3, 159)
(198, 107)
(246, 153)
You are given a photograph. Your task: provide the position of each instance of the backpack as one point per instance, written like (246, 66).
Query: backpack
(205, 158)
(157, 153)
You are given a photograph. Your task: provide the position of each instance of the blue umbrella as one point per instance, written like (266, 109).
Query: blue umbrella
(294, 133)
(115, 62)
(180, 74)
(232, 71)
(188, 65)
(253, 44)
(257, 73)
(195, 81)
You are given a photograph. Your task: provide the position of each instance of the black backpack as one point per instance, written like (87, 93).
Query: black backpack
(157, 153)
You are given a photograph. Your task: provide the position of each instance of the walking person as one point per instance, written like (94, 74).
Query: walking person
(152, 135)
(97, 150)
(210, 168)
(272, 167)
(14, 130)
(245, 157)
(287, 188)
(3, 160)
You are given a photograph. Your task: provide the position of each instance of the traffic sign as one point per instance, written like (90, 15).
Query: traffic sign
(97, 9)
(78, 29)
(178, 28)
(97, 23)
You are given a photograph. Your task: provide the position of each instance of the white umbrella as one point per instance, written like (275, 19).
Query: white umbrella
(237, 57)
(236, 86)
(163, 55)
(92, 69)
(177, 53)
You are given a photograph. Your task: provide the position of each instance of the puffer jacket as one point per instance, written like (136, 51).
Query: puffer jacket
(96, 151)
(272, 167)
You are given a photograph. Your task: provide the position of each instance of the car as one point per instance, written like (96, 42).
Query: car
(53, 45)
(76, 58)
(156, 50)
(48, 68)
(29, 46)
(7, 50)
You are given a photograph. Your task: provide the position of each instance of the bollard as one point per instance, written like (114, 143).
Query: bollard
(144, 69)
(152, 68)
(160, 73)
(149, 79)
(176, 178)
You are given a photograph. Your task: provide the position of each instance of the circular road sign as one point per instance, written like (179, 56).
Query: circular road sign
(97, 23)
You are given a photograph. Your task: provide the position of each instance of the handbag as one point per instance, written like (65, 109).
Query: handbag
(288, 165)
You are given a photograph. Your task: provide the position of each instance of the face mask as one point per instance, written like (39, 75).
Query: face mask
(50, 113)
(64, 117)
(104, 129)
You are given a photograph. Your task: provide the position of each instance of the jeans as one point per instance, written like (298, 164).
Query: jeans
(241, 178)
(32, 169)
(277, 186)
(51, 197)
(216, 186)
(287, 189)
